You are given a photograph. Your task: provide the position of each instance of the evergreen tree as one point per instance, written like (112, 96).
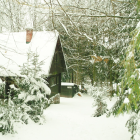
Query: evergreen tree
(26, 96)
(129, 91)
(34, 88)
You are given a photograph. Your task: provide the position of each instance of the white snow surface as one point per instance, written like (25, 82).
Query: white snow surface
(14, 50)
(72, 120)
(67, 84)
(126, 100)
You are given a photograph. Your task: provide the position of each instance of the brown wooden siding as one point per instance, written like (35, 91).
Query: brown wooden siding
(58, 63)
(54, 84)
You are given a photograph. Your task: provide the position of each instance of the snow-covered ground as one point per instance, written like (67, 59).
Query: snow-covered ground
(72, 120)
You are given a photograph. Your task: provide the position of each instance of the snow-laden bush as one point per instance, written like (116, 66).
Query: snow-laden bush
(100, 94)
(7, 117)
(33, 94)
(28, 100)
(33, 87)
(101, 107)
(26, 97)
(12, 110)
(133, 125)
(9, 114)
(98, 89)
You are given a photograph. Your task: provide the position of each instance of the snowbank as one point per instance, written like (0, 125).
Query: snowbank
(71, 120)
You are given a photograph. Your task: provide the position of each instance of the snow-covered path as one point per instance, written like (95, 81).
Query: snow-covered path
(71, 120)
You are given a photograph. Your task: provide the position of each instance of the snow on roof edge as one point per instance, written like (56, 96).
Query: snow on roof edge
(67, 84)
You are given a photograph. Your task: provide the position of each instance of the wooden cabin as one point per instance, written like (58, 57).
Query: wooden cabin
(16, 45)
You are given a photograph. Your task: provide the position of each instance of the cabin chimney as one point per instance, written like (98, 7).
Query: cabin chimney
(29, 34)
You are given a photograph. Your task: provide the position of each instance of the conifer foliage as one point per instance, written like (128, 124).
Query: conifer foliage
(129, 93)
(26, 97)
(100, 94)
(34, 88)
(101, 107)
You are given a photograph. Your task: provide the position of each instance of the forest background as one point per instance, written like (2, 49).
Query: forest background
(91, 31)
(100, 40)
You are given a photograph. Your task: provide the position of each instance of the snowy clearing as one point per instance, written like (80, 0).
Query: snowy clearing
(72, 120)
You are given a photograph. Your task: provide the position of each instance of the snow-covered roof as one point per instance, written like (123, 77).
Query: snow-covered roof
(67, 84)
(13, 50)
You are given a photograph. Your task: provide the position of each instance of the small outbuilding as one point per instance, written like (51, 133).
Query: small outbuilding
(68, 89)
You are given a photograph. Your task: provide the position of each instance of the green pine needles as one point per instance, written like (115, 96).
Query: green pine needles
(130, 84)
(26, 98)
(129, 90)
